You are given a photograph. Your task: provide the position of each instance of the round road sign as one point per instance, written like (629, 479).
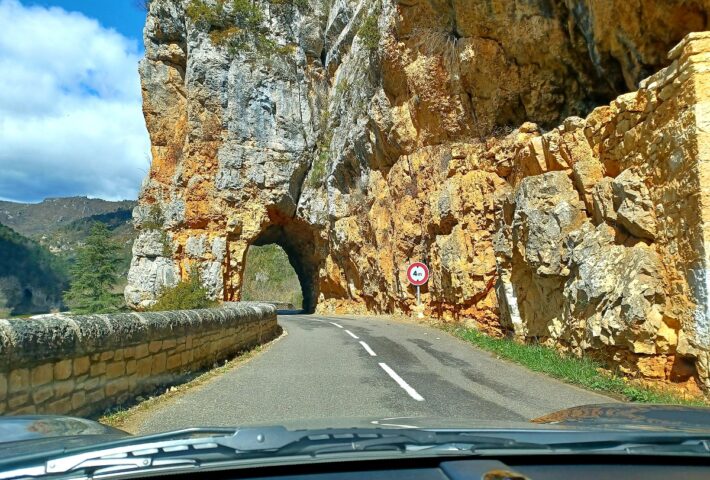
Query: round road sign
(418, 273)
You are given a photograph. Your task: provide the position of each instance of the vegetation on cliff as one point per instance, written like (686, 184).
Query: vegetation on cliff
(240, 25)
(187, 294)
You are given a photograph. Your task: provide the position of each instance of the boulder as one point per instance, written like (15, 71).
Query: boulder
(633, 205)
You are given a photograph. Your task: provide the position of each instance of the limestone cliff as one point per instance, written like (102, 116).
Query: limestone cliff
(362, 135)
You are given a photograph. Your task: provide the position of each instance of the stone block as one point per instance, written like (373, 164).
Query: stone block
(81, 365)
(98, 369)
(90, 383)
(186, 358)
(95, 396)
(131, 367)
(78, 400)
(60, 407)
(3, 385)
(174, 362)
(42, 374)
(63, 369)
(155, 346)
(115, 369)
(169, 343)
(158, 364)
(42, 394)
(28, 410)
(63, 389)
(141, 351)
(117, 386)
(19, 380)
(143, 366)
(106, 355)
(18, 400)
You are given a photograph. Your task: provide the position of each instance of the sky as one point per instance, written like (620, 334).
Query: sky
(70, 105)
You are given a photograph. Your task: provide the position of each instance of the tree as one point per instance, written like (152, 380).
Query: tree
(95, 274)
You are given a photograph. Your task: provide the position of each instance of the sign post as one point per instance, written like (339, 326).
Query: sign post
(418, 275)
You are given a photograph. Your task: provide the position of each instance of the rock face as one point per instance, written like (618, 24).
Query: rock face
(609, 257)
(381, 133)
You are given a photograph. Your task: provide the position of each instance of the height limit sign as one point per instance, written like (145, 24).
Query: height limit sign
(418, 275)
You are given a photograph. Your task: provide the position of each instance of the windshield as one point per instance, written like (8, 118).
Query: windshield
(313, 214)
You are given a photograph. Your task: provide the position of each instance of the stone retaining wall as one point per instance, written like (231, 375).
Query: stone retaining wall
(82, 365)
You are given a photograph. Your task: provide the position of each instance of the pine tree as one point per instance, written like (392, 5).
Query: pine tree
(95, 274)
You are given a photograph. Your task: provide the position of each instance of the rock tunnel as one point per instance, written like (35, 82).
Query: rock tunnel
(298, 241)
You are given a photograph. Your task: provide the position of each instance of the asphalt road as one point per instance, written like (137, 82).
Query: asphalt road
(328, 371)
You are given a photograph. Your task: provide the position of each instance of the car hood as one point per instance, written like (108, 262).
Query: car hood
(28, 434)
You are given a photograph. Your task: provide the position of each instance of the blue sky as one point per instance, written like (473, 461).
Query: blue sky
(122, 15)
(70, 104)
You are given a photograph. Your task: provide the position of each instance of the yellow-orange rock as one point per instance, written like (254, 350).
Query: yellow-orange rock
(359, 155)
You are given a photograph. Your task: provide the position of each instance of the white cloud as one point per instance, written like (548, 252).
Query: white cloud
(70, 107)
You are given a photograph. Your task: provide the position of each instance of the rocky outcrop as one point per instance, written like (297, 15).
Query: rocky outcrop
(624, 276)
(372, 134)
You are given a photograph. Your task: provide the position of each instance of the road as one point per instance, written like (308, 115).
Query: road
(328, 370)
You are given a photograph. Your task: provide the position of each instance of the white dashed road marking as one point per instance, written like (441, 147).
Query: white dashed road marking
(400, 381)
(412, 393)
(368, 349)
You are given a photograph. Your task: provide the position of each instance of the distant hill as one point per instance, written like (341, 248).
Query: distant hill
(65, 239)
(35, 219)
(57, 227)
(31, 278)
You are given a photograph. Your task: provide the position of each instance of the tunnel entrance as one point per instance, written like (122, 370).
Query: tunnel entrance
(297, 242)
(269, 276)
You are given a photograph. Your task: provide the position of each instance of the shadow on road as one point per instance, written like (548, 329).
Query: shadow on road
(291, 312)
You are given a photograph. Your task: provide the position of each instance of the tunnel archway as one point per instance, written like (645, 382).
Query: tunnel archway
(269, 276)
(298, 243)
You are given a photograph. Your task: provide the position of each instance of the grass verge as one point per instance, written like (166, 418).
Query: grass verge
(125, 417)
(584, 372)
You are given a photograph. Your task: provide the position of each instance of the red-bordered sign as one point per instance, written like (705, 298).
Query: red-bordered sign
(418, 273)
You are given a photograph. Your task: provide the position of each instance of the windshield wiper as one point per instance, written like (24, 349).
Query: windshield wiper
(196, 448)
(185, 449)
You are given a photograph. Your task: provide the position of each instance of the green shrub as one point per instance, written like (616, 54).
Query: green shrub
(155, 219)
(186, 295)
(369, 32)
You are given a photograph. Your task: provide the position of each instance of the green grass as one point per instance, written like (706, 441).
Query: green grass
(584, 372)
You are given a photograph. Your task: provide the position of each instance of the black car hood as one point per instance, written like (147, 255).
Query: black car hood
(28, 434)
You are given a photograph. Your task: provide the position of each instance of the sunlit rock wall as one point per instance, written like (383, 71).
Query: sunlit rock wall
(602, 242)
(398, 131)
